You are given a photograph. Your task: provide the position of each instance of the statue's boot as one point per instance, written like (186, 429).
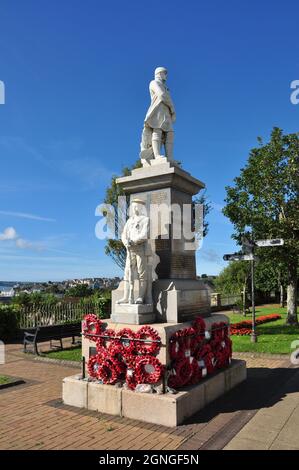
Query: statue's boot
(125, 298)
(142, 291)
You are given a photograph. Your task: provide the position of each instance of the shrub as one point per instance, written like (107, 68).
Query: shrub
(9, 321)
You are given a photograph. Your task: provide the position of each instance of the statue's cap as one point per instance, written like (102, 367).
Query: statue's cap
(138, 201)
(160, 69)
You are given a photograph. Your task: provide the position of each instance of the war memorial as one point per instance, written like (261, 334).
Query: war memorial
(162, 355)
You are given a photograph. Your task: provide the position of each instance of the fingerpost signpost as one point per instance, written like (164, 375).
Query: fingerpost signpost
(248, 255)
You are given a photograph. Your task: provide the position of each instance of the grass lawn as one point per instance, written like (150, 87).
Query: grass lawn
(72, 354)
(4, 379)
(273, 337)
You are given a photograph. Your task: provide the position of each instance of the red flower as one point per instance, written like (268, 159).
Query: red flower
(245, 327)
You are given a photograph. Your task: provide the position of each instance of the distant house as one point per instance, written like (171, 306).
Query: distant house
(7, 293)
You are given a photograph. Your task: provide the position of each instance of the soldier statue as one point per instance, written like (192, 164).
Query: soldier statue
(158, 121)
(135, 238)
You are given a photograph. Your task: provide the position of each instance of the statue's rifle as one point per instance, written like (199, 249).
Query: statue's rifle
(131, 277)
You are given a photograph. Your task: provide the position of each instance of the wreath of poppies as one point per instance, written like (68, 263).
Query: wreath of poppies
(195, 353)
(219, 331)
(93, 365)
(109, 371)
(91, 325)
(148, 348)
(199, 326)
(184, 371)
(222, 351)
(125, 340)
(116, 353)
(143, 375)
(106, 340)
(183, 343)
(131, 378)
(205, 358)
(123, 355)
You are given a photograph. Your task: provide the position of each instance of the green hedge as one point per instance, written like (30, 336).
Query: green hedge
(9, 321)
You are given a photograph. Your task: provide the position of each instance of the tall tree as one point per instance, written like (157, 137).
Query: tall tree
(264, 203)
(234, 278)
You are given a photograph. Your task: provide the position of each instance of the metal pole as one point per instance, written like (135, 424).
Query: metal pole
(83, 367)
(253, 334)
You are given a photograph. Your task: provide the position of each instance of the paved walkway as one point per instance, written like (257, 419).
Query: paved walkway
(32, 415)
(274, 427)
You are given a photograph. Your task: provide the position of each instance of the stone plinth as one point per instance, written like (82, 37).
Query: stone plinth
(167, 191)
(165, 331)
(167, 410)
(180, 300)
(133, 314)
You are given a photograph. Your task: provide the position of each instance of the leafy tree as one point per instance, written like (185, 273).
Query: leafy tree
(233, 279)
(264, 203)
(81, 290)
(114, 247)
(270, 274)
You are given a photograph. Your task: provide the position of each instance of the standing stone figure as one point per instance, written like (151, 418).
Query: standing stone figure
(158, 121)
(135, 238)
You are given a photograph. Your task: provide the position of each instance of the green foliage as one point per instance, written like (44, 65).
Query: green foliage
(4, 379)
(99, 304)
(269, 273)
(36, 298)
(264, 203)
(233, 278)
(9, 321)
(81, 290)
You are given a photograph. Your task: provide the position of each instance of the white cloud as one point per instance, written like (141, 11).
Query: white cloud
(8, 234)
(24, 215)
(21, 243)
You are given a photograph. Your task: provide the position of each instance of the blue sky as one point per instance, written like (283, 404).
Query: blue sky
(76, 76)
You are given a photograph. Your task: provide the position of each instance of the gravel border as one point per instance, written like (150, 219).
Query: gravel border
(261, 355)
(59, 362)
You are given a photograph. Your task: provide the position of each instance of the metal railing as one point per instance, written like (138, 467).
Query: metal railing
(32, 316)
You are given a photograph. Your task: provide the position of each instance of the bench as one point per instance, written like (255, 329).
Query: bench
(50, 333)
(237, 309)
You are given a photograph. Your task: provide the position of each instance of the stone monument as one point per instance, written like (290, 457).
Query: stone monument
(166, 192)
(160, 290)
